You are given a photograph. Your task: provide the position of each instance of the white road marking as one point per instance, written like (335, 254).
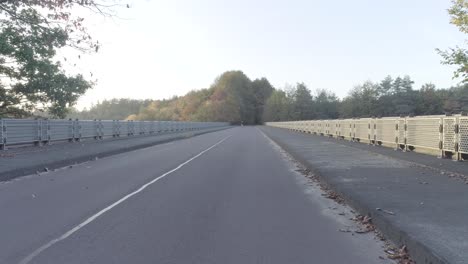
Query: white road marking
(38, 251)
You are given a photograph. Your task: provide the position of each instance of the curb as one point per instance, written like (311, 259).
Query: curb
(28, 170)
(418, 251)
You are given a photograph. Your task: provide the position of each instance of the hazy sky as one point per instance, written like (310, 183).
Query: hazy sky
(162, 48)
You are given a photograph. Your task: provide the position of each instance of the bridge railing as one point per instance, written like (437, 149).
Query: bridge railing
(44, 131)
(444, 136)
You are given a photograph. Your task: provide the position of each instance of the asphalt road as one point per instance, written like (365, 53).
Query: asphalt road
(224, 197)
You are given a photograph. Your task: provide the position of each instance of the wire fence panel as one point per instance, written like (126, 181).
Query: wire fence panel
(88, 128)
(339, 129)
(312, 127)
(449, 134)
(320, 128)
(151, 127)
(386, 130)
(304, 126)
(327, 127)
(361, 128)
(60, 129)
(43, 126)
(348, 129)
(122, 128)
(140, 127)
(22, 131)
(107, 128)
(401, 127)
(423, 132)
(132, 128)
(463, 135)
(372, 126)
(333, 128)
(164, 126)
(324, 124)
(343, 129)
(297, 125)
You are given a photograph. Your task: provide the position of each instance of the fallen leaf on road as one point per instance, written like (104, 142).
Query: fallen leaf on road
(385, 211)
(344, 230)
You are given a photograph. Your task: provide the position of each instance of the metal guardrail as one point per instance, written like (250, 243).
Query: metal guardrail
(38, 132)
(445, 135)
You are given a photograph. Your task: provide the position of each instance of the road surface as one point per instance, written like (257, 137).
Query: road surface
(224, 197)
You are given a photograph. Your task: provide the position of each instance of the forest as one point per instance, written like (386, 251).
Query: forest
(235, 98)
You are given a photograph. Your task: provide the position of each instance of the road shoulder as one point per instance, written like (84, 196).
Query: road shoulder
(411, 205)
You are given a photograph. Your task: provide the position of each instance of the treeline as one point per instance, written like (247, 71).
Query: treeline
(234, 98)
(390, 97)
(114, 109)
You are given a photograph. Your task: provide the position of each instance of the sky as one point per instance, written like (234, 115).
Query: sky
(156, 48)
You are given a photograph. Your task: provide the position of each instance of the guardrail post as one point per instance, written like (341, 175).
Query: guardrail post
(3, 135)
(101, 129)
(151, 127)
(46, 137)
(142, 127)
(71, 130)
(95, 129)
(462, 137)
(38, 128)
(373, 129)
(114, 128)
(129, 128)
(369, 131)
(77, 130)
(441, 138)
(396, 134)
(406, 133)
(457, 153)
(458, 156)
(118, 124)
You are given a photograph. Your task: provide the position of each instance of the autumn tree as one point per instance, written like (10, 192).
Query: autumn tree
(261, 90)
(361, 101)
(114, 109)
(278, 107)
(31, 33)
(458, 56)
